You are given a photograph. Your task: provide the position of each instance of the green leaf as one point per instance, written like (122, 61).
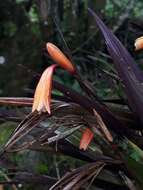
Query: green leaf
(136, 169)
(132, 150)
(133, 158)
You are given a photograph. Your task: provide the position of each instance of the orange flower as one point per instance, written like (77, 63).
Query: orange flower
(139, 43)
(42, 96)
(86, 138)
(57, 55)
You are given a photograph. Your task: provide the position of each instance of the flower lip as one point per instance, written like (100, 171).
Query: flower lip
(57, 55)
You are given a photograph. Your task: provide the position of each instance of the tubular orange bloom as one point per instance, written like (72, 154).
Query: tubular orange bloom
(57, 55)
(42, 96)
(87, 137)
(139, 43)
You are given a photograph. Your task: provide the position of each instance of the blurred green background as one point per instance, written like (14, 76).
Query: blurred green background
(26, 26)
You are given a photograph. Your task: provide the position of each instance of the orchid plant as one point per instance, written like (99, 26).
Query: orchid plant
(42, 97)
(119, 136)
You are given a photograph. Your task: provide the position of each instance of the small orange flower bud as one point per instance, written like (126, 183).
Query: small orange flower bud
(87, 137)
(57, 55)
(42, 96)
(139, 43)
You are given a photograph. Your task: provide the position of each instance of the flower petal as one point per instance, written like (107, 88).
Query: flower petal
(87, 137)
(37, 97)
(139, 43)
(42, 96)
(57, 55)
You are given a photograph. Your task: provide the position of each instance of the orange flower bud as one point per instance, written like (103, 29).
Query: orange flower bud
(87, 137)
(42, 96)
(57, 55)
(139, 43)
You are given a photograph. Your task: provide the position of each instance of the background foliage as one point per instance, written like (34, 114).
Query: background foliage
(25, 27)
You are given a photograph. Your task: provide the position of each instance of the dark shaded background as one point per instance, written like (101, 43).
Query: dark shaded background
(26, 25)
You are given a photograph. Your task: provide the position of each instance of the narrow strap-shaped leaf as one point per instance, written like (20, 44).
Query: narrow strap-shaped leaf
(128, 70)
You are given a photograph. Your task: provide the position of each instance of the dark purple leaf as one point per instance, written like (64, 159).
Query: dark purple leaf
(128, 70)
